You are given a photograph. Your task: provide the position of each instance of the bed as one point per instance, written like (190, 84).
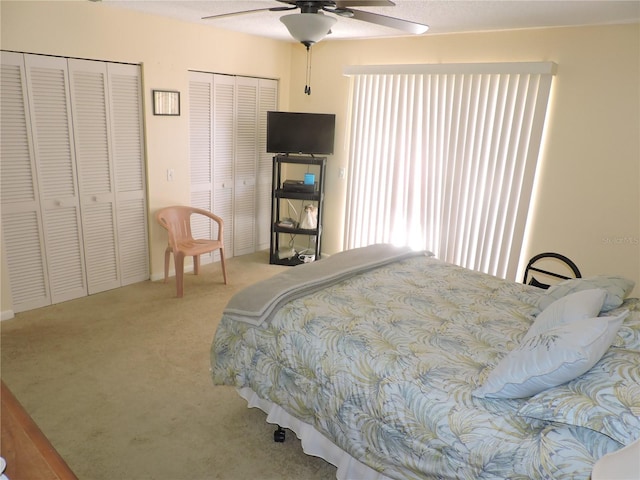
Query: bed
(392, 364)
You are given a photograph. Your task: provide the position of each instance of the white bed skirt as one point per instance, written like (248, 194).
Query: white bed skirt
(313, 442)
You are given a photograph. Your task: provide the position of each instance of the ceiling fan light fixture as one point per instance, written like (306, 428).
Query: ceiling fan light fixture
(308, 28)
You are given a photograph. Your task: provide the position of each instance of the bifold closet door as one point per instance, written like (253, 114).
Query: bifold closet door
(223, 148)
(127, 141)
(200, 120)
(212, 138)
(107, 119)
(230, 168)
(205, 181)
(91, 125)
(267, 101)
(22, 234)
(253, 164)
(245, 166)
(53, 142)
(74, 209)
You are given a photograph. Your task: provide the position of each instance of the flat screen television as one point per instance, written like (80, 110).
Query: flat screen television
(294, 132)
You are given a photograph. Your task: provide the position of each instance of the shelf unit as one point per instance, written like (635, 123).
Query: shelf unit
(317, 166)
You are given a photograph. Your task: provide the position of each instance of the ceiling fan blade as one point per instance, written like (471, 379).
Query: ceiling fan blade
(364, 3)
(243, 12)
(222, 15)
(392, 22)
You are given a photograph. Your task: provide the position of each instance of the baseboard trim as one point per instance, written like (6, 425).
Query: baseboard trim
(6, 315)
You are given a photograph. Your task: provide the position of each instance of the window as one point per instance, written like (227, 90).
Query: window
(443, 157)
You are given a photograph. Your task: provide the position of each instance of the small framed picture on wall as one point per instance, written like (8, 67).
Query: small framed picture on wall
(166, 102)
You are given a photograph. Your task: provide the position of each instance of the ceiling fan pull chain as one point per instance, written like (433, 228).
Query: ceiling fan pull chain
(307, 87)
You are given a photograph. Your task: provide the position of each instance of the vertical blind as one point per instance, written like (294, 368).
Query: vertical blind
(443, 157)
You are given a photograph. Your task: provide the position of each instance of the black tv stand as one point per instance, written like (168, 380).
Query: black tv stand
(280, 251)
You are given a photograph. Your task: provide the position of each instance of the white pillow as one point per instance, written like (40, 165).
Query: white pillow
(617, 290)
(575, 306)
(551, 358)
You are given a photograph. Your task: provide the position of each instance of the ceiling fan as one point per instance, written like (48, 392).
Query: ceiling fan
(311, 25)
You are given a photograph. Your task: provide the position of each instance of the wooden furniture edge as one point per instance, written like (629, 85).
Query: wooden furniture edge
(13, 413)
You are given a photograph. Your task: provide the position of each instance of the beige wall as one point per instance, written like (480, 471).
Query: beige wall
(588, 201)
(588, 180)
(167, 50)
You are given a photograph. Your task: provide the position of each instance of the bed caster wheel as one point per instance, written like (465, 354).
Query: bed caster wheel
(279, 435)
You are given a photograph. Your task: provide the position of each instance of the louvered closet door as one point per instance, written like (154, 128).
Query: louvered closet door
(245, 166)
(127, 143)
(91, 125)
(200, 153)
(268, 100)
(22, 234)
(50, 110)
(200, 121)
(224, 131)
(230, 169)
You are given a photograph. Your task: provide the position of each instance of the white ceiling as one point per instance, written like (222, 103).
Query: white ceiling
(442, 16)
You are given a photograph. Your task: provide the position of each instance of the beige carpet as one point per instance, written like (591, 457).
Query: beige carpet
(119, 382)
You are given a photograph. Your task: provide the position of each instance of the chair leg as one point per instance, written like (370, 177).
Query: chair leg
(167, 258)
(179, 263)
(224, 267)
(196, 264)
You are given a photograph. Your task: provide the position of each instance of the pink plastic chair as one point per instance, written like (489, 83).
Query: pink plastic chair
(177, 221)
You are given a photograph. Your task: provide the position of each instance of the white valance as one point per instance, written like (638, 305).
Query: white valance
(537, 68)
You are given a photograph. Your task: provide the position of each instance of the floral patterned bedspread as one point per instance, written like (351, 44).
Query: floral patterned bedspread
(384, 363)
